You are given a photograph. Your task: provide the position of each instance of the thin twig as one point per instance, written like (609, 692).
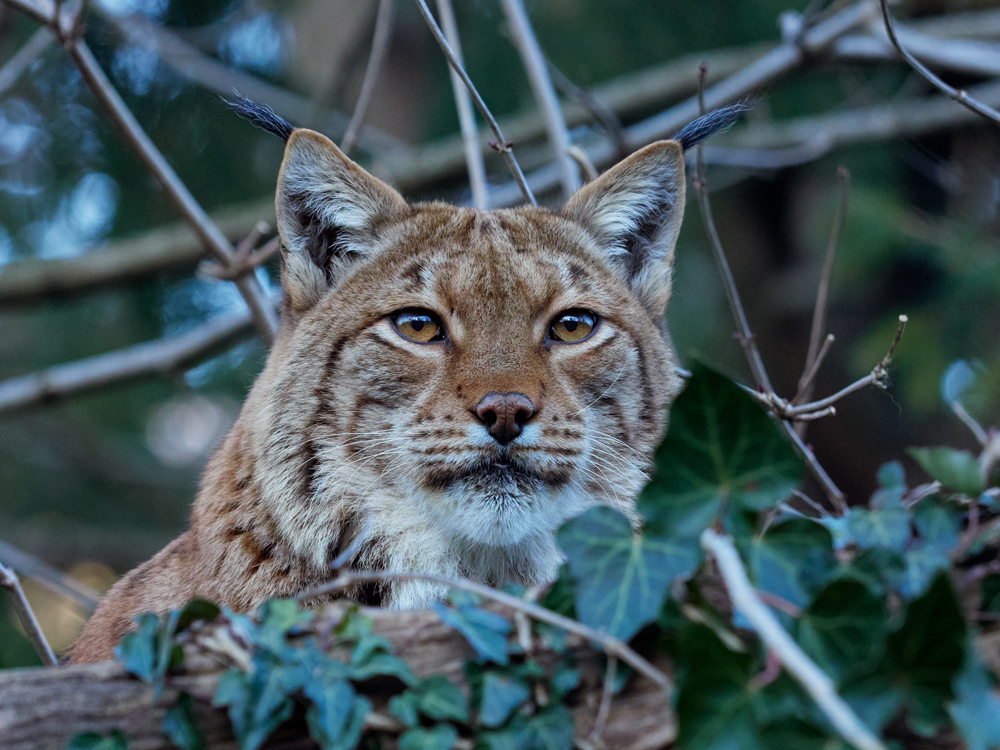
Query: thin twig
(805, 384)
(813, 680)
(541, 84)
(594, 104)
(823, 292)
(969, 421)
(609, 644)
(379, 51)
(51, 578)
(959, 95)
(505, 147)
(10, 583)
(263, 314)
(610, 673)
(466, 116)
(23, 58)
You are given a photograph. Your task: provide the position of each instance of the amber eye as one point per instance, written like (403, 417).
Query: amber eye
(572, 326)
(421, 326)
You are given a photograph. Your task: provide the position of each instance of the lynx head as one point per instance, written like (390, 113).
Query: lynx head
(466, 380)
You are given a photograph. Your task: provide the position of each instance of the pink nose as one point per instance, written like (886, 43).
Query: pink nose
(505, 414)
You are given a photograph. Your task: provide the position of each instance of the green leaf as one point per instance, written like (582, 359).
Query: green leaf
(114, 740)
(179, 725)
(939, 536)
(149, 650)
(405, 707)
(956, 379)
(879, 569)
(954, 469)
(887, 527)
(976, 708)
(441, 699)
(621, 577)
(990, 593)
(259, 702)
(485, 631)
(278, 617)
(927, 651)
(336, 717)
(515, 736)
(439, 737)
(552, 728)
(792, 559)
(721, 447)
(844, 629)
(501, 695)
(196, 609)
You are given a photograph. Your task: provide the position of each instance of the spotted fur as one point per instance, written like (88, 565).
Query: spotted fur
(353, 433)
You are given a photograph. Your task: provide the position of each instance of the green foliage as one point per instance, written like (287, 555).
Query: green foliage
(114, 740)
(955, 470)
(869, 596)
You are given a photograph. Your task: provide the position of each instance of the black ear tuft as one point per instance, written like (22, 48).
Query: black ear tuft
(716, 121)
(260, 115)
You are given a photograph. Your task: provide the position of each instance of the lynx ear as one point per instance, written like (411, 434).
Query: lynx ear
(328, 211)
(634, 213)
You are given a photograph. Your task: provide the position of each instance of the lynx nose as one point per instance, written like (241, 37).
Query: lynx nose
(504, 414)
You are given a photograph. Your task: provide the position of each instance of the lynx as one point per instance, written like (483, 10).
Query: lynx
(447, 387)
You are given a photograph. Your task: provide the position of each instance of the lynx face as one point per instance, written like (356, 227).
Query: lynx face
(453, 384)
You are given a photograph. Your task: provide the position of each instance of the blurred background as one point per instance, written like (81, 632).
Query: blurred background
(97, 483)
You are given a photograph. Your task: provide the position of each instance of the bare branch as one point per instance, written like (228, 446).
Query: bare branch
(51, 578)
(969, 421)
(959, 95)
(541, 85)
(593, 103)
(805, 384)
(466, 117)
(812, 679)
(23, 58)
(10, 583)
(823, 293)
(380, 48)
(264, 316)
(605, 706)
(504, 146)
(610, 644)
(163, 356)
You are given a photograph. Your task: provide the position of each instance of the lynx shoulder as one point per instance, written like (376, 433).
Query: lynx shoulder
(447, 387)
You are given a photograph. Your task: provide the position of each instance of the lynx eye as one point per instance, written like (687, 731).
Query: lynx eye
(421, 326)
(572, 326)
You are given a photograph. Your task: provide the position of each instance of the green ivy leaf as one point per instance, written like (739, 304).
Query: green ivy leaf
(485, 631)
(405, 707)
(515, 736)
(149, 650)
(954, 469)
(792, 559)
(114, 740)
(927, 651)
(878, 569)
(179, 725)
(887, 527)
(336, 717)
(721, 447)
(990, 593)
(622, 577)
(196, 609)
(278, 617)
(439, 737)
(938, 538)
(442, 700)
(258, 702)
(844, 629)
(501, 695)
(551, 728)
(976, 708)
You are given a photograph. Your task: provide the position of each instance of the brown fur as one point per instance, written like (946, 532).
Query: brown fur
(353, 430)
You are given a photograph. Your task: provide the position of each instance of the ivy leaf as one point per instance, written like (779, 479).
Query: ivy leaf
(990, 593)
(278, 617)
(372, 656)
(440, 737)
(515, 736)
(976, 708)
(552, 728)
(956, 379)
(485, 631)
(844, 629)
(721, 447)
(887, 527)
(878, 569)
(258, 702)
(405, 706)
(954, 469)
(179, 725)
(115, 740)
(927, 651)
(149, 650)
(442, 700)
(501, 695)
(939, 536)
(792, 559)
(336, 717)
(621, 577)
(196, 609)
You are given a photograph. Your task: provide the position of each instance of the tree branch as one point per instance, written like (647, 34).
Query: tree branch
(23, 58)
(10, 583)
(541, 85)
(51, 578)
(959, 95)
(812, 679)
(466, 117)
(379, 51)
(610, 644)
(504, 146)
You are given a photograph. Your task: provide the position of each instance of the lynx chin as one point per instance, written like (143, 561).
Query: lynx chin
(447, 387)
